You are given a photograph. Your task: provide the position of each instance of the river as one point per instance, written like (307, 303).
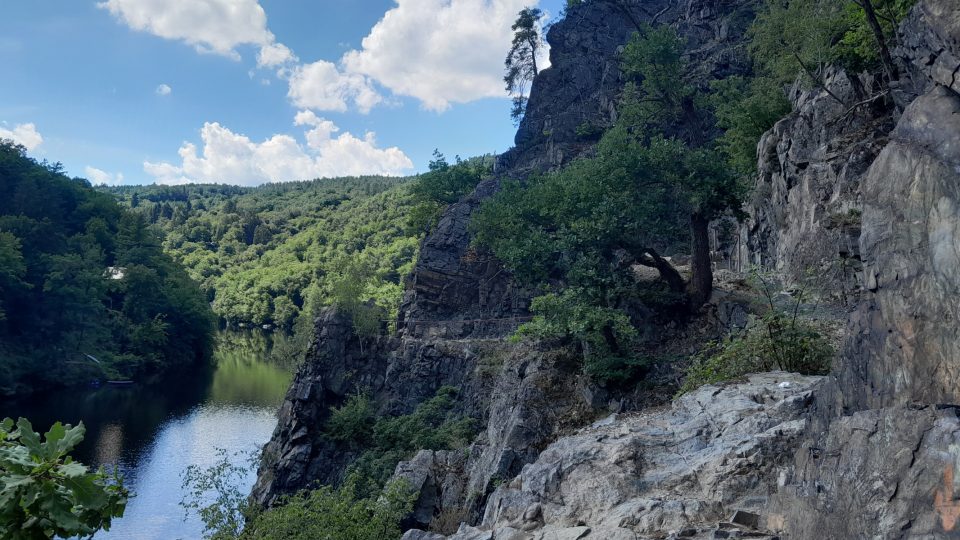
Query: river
(154, 432)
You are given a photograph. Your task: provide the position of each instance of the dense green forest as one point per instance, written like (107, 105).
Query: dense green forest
(262, 255)
(86, 291)
(271, 256)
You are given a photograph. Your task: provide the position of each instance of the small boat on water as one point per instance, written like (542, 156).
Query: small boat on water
(120, 383)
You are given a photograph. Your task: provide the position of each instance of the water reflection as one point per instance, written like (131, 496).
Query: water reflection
(153, 432)
(109, 446)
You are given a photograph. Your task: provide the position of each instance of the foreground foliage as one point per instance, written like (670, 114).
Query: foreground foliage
(344, 513)
(336, 514)
(44, 493)
(85, 290)
(214, 494)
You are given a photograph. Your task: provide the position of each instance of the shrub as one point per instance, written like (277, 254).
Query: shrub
(780, 339)
(589, 131)
(605, 335)
(336, 514)
(442, 185)
(775, 341)
(353, 421)
(386, 441)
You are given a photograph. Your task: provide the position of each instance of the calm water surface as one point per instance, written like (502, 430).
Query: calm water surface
(153, 433)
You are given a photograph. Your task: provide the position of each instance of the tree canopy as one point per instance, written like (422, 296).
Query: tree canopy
(87, 291)
(649, 188)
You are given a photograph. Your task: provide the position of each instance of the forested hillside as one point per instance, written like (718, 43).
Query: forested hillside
(86, 291)
(263, 256)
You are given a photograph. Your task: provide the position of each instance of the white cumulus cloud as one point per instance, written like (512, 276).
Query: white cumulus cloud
(214, 26)
(233, 158)
(322, 86)
(25, 134)
(164, 90)
(440, 51)
(275, 54)
(100, 177)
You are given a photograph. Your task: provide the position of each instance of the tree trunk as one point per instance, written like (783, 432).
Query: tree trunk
(668, 273)
(871, 15)
(701, 279)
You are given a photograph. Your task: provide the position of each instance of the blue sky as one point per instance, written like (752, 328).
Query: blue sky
(246, 91)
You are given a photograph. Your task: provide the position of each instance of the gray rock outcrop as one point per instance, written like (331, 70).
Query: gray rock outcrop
(676, 472)
(904, 345)
(880, 456)
(881, 473)
(806, 208)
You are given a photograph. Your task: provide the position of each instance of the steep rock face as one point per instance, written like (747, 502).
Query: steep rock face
(928, 50)
(521, 396)
(581, 86)
(882, 473)
(456, 291)
(805, 211)
(881, 455)
(905, 346)
(681, 471)
(399, 374)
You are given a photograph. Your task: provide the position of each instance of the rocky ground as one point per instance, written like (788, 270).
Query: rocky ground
(702, 467)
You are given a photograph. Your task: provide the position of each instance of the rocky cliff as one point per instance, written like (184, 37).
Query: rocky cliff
(863, 193)
(805, 212)
(459, 302)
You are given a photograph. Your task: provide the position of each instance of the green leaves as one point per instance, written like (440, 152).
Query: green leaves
(337, 514)
(44, 493)
(214, 494)
(605, 335)
(388, 439)
(443, 185)
(802, 37)
(521, 62)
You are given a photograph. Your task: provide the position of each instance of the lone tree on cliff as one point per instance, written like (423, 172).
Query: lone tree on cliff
(521, 62)
(693, 180)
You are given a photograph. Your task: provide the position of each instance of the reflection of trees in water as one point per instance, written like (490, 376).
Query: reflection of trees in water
(253, 343)
(123, 421)
(243, 375)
